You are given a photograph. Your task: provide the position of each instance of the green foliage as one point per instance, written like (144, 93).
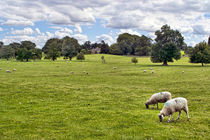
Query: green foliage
(70, 47)
(167, 46)
(7, 52)
(115, 49)
(28, 51)
(103, 59)
(52, 48)
(200, 53)
(80, 56)
(134, 60)
(104, 47)
(209, 41)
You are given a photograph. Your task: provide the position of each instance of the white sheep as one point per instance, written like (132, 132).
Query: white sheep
(8, 71)
(114, 68)
(0, 68)
(153, 71)
(174, 105)
(144, 71)
(14, 69)
(182, 72)
(160, 97)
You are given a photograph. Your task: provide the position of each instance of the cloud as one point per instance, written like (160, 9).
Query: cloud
(80, 37)
(78, 28)
(25, 31)
(106, 38)
(130, 31)
(18, 23)
(1, 29)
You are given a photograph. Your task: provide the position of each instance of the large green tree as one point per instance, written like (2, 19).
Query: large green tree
(16, 47)
(70, 47)
(104, 47)
(167, 46)
(52, 48)
(200, 53)
(28, 51)
(209, 41)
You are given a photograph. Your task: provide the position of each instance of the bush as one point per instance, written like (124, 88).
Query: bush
(80, 56)
(134, 60)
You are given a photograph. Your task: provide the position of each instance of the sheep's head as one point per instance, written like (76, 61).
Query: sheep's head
(161, 116)
(146, 104)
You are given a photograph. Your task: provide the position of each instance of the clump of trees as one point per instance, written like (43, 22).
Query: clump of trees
(24, 51)
(128, 44)
(200, 53)
(134, 60)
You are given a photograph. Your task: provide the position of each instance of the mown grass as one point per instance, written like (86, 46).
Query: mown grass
(44, 100)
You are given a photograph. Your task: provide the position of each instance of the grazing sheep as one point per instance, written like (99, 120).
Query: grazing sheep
(114, 68)
(144, 71)
(14, 69)
(160, 97)
(72, 72)
(174, 105)
(0, 68)
(152, 71)
(182, 72)
(8, 71)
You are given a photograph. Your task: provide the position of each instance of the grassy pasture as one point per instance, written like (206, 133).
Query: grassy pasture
(45, 100)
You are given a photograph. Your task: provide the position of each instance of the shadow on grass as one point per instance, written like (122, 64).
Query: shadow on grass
(196, 66)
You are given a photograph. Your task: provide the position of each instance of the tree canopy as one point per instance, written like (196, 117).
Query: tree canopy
(167, 46)
(200, 53)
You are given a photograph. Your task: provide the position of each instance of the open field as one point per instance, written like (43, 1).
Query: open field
(44, 100)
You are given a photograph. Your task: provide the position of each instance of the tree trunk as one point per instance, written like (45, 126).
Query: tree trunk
(165, 63)
(202, 64)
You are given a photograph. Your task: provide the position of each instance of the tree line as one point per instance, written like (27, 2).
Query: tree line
(165, 48)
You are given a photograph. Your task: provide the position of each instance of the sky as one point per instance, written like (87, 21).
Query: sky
(96, 20)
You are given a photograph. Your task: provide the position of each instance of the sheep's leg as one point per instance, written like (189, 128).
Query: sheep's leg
(153, 106)
(157, 105)
(170, 117)
(186, 111)
(179, 115)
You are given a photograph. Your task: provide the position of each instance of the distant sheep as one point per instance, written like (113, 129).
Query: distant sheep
(0, 68)
(14, 69)
(144, 71)
(182, 72)
(153, 72)
(174, 105)
(8, 71)
(156, 98)
(114, 68)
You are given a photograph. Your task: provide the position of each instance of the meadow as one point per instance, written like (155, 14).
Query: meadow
(58, 100)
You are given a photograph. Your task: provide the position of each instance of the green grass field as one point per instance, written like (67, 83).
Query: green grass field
(44, 100)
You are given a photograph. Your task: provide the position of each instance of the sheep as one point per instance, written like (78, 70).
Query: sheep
(151, 69)
(156, 98)
(14, 69)
(8, 71)
(114, 68)
(182, 72)
(144, 71)
(153, 72)
(0, 68)
(174, 105)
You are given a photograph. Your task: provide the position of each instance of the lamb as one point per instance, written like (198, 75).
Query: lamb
(174, 105)
(160, 97)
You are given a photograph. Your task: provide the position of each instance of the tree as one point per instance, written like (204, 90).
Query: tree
(7, 52)
(115, 49)
(52, 48)
(200, 53)
(142, 45)
(104, 47)
(167, 46)
(26, 51)
(15, 46)
(209, 41)
(70, 47)
(80, 56)
(134, 60)
(103, 59)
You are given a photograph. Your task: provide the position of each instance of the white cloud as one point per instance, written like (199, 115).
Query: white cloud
(37, 31)
(1, 29)
(78, 28)
(130, 31)
(106, 38)
(25, 31)
(18, 23)
(80, 37)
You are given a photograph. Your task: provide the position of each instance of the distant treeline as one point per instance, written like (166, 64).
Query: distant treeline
(166, 47)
